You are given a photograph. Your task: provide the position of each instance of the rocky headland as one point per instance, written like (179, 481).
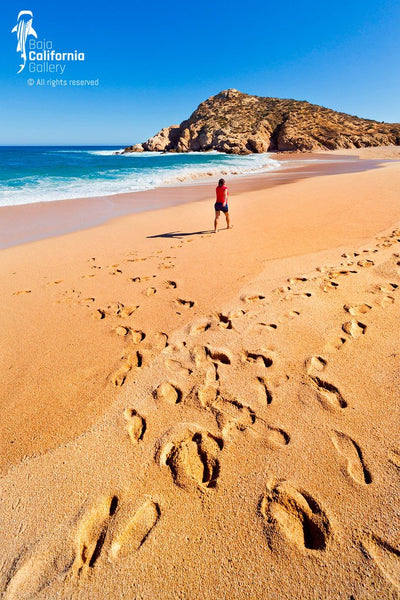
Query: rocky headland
(238, 123)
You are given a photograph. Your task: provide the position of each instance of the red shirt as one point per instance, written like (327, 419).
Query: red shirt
(221, 193)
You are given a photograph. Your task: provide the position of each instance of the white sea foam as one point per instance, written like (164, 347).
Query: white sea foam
(104, 152)
(125, 177)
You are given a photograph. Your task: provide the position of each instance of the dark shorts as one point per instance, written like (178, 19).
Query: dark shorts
(220, 206)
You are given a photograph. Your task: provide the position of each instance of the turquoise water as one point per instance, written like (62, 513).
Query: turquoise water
(42, 174)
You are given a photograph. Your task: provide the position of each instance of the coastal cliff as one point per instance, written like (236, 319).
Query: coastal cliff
(238, 123)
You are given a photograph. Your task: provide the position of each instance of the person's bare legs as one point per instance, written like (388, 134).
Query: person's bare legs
(217, 213)
(228, 223)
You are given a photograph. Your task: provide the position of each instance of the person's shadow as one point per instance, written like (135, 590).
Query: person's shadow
(180, 234)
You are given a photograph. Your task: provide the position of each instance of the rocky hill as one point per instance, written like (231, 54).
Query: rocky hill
(238, 123)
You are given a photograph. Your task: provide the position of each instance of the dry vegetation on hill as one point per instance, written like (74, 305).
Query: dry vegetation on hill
(238, 123)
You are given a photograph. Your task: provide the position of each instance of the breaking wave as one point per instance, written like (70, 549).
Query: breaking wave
(47, 174)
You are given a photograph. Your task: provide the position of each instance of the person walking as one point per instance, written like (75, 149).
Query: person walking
(221, 204)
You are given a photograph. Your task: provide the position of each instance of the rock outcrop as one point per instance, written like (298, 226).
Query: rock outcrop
(238, 123)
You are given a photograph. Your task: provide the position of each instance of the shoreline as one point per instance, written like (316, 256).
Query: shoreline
(21, 224)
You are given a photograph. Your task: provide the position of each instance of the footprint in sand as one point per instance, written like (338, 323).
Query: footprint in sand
(98, 314)
(132, 534)
(328, 394)
(166, 266)
(136, 425)
(357, 309)
(222, 357)
(169, 393)
(192, 458)
(135, 359)
(150, 291)
(137, 336)
(335, 273)
(348, 448)
(350, 254)
(118, 378)
(354, 328)
(207, 395)
(385, 301)
(231, 415)
(282, 290)
(88, 301)
(315, 364)
(171, 285)
(22, 292)
(388, 287)
(269, 326)
(365, 263)
(114, 308)
(212, 375)
(253, 298)
(386, 557)
(91, 534)
(160, 340)
(200, 327)
(126, 311)
(224, 321)
(289, 315)
(198, 355)
(121, 331)
(327, 285)
(264, 394)
(236, 314)
(185, 303)
(176, 367)
(297, 515)
(334, 344)
(275, 437)
(260, 357)
(49, 561)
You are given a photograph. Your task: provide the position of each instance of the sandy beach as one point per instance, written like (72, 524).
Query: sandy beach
(190, 415)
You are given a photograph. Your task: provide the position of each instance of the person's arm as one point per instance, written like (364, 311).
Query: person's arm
(225, 196)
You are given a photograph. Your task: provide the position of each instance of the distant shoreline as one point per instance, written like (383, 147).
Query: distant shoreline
(26, 223)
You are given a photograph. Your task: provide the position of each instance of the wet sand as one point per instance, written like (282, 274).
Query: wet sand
(29, 222)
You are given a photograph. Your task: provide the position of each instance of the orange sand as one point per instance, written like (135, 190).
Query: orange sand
(189, 415)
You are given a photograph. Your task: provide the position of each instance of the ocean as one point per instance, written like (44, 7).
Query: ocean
(42, 174)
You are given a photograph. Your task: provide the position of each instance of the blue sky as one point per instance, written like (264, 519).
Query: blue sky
(156, 61)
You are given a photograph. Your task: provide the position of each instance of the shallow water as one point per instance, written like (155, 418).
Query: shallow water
(42, 174)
